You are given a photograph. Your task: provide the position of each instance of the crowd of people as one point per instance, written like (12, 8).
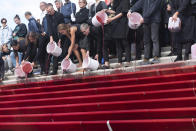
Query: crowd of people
(78, 37)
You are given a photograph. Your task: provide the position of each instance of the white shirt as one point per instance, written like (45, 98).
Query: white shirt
(43, 14)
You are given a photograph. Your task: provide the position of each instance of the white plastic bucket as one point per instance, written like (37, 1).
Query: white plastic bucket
(53, 49)
(174, 26)
(68, 66)
(91, 64)
(135, 20)
(27, 67)
(19, 72)
(193, 51)
(99, 19)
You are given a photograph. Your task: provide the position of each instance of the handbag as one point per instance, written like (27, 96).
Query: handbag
(73, 18)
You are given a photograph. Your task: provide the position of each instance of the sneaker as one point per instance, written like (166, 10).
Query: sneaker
(179, 58)
(155, 60)
(127, 64)
(186, 57)
(53, 73)
(105, 67)
(9, 72)
(119, 65)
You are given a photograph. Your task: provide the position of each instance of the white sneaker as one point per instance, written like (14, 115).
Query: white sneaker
(9, 72)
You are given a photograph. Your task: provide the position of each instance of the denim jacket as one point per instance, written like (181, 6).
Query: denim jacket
(67, 9)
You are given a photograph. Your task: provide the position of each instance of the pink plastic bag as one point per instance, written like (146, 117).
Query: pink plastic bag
(174, 26)
(135, 20)
(19, 72)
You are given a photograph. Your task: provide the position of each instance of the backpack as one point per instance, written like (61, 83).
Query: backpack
(39, 27)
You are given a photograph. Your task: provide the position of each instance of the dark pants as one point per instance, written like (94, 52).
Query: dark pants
(180, 47)
(2, 69)
(65, 43)
(136, 37)
(120, 43)
(107, 44)
(151, 32)
(43, 56)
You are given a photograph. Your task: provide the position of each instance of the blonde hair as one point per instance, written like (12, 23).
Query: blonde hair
(65, 27)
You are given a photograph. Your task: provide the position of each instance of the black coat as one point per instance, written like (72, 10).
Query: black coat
(82, 16)
(52, 23)
(21, 30)
(187, 33)
(93, 10)
(120, 28)
(151, 10)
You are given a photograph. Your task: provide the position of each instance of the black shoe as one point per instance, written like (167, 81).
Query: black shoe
(186, 57)
(105, 67)
(29, 75)
(179, 58)
(53, 73)
(171, 54)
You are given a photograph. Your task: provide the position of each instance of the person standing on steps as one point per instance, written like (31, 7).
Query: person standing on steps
(182, 9)
(120, 30)
(20, 30)
(53, 20)
(151, 12)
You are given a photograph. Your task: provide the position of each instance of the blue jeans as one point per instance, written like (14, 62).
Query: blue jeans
(13, 58)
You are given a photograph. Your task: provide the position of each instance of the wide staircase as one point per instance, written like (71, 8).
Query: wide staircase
(157, 99)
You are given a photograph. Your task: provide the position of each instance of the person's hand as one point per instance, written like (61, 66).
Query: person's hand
(168, 7)
(32, 64)
(96, 57)
(4, 58)
(175, 17)
(51, 40)
(67, 57)
(128, 14)
(59, 43)
(87, 53)
(23, 62)
(105, 10)
(43, 34)
(142, 20)
(17, 64)
(109, 20)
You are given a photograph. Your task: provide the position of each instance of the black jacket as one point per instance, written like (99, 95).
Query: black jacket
(52, 23)
(82, 16)
(21, 30)
(93, 10)
(151, 10)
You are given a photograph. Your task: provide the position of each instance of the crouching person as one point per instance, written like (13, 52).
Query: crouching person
(5, 53)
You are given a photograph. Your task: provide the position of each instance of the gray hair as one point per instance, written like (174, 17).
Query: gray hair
(43, 2)
(84, 26)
